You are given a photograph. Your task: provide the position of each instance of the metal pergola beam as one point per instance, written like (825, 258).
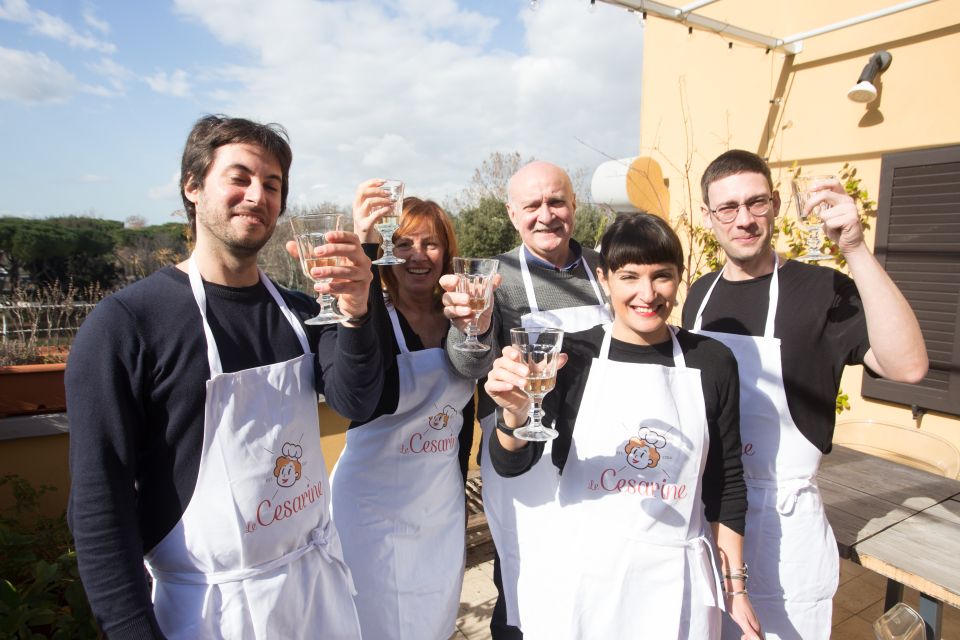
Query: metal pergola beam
(791, 44)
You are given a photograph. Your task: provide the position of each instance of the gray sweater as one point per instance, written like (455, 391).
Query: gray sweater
(555, 289)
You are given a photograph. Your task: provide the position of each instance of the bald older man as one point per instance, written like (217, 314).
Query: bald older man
(549, 280)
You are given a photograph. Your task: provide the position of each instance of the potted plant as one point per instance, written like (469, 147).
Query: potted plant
(37, 328)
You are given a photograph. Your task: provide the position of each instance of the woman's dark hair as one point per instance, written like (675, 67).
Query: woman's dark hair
(212, 132)
(639, 238)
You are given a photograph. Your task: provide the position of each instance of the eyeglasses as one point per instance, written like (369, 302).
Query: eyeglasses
(757, 207)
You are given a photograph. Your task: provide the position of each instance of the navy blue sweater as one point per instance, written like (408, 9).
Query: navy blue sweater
(135, 400)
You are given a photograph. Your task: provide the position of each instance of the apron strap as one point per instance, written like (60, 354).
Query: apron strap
(397, 331)
(528, 281)
(200, 296)
(318, 540)
(771, 307)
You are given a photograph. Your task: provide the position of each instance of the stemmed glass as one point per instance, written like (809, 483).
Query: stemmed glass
(539, 349)
(476, 280)
(387, 225)
(810, 220)
(310, 231)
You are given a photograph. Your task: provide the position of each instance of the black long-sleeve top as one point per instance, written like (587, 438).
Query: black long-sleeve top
(724, 493)
(135, 385)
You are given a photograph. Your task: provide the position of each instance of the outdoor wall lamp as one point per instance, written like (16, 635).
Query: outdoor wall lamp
(865, 90)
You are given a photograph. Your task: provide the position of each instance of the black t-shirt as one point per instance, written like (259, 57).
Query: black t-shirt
(820, 324)
(724, 493)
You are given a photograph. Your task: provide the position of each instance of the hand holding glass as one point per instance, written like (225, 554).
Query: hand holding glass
(310, 231)
(810, 220)
(388, 224)
(539, 349)
(476, 280)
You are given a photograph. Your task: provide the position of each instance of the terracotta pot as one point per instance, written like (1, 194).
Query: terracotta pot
(32, 388)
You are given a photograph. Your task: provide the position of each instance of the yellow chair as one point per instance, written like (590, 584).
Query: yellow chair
(906, 445)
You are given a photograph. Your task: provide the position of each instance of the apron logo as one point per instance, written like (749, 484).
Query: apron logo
(643, 450)
(420, 442)
(287, 471)
(439, 420)
(288, 468)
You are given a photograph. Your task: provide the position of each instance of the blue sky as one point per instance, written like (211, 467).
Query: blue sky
(97, 96)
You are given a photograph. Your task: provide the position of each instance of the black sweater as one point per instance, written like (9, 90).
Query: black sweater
(724, 493)
(135, 399)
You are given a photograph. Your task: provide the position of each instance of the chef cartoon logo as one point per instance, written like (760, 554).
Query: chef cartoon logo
(640, 466)
(288, 467)
(279, 502)
(440, 419)
(643, 450)
(432, 439)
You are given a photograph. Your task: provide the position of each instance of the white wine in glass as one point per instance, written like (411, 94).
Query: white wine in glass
(475, 278)
(539, 349)
(310, 231)
(810, 218)
(389, 222)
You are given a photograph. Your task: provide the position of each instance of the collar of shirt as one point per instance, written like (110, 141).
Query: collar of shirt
(576, 252)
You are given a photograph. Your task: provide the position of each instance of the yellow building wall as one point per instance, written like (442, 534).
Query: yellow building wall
(701, 97)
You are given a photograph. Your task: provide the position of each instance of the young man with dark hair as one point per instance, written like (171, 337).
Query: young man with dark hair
(793, 327)
(194, 441)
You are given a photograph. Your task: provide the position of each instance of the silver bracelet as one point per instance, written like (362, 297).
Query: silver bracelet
(742, 592)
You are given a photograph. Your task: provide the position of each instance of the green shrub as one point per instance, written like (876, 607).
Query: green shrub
(40, 591)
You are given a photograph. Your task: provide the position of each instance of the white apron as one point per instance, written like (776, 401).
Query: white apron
(788, 543)
(255, 554)
(398, 502)
(631, 554)
(519, 510)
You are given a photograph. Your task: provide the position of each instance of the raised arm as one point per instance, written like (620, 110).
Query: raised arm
(351, 355)
(897, 350)
(469, 364)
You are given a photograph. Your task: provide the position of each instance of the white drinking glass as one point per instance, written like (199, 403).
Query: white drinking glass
(539, 349)
(310, 231)
(810, 219)
(388, 224)
(475, 279)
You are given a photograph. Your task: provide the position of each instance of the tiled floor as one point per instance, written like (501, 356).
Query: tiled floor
(859, 601)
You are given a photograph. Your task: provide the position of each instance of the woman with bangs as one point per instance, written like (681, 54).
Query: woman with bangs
(651, 485)
(398, 487)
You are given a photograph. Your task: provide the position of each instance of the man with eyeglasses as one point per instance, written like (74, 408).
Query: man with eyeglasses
(793, 327)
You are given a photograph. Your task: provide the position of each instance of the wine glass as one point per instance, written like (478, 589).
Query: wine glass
(476, 280)
(387, 225)
(811, 220)
(310, 231)
(539, 349)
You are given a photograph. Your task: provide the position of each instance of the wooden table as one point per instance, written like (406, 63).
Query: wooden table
(897, 521)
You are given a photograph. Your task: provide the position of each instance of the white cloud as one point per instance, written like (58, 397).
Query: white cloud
(34, 78)
(15, 10)
(52, 26)
(174, 84)
(94, 22)
(166, 191)
(414, 88)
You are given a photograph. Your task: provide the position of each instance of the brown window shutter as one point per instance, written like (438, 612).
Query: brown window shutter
(918, 243)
